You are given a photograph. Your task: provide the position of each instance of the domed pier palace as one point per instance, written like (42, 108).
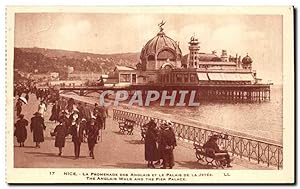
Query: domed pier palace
(163, 67)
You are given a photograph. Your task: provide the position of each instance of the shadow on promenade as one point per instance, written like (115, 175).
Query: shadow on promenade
(43, 154)
(135, 141)
(129, 165)
(193, 165)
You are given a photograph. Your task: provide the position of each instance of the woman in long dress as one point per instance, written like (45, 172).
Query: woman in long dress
(21, 131)
(37, 127)
(151, 151)
(60, 132)
(42, 108)
(55, 112)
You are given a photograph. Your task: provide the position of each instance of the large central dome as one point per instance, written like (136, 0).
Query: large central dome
(160, 51)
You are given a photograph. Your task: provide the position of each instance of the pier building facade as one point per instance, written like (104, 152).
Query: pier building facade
(162, 64)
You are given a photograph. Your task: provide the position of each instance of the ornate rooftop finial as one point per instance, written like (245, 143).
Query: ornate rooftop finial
(160, 25)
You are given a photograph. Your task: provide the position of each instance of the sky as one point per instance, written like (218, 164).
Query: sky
(258, 35)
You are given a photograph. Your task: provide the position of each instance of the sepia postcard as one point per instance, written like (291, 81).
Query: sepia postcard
(150, 94)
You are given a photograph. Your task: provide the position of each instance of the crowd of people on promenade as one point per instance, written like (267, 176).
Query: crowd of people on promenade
(85, 124)
(81, 122)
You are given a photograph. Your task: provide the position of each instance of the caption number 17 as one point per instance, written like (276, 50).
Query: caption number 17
(52, 173)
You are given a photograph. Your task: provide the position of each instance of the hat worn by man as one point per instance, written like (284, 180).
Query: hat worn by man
(169, 123)
(37, 113)
(214, 137)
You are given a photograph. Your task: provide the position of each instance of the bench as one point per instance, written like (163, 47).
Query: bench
(210, 157)
(126, 126)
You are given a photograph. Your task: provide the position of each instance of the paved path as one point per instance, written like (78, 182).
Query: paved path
(115, 151)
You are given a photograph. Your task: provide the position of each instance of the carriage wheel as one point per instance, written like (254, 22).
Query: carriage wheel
(130, 131)
(220, 163)
(199, 157)
(209, 160)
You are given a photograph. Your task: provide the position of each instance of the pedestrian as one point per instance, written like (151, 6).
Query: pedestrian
(42, 108)
(70, 105)
(96, 110)
(86, 113)
(92, 134)
(55, 112)
(62, 103)
(76, 131)
(60, 133)
(19, 107)
(211, 146)
(80, 110)
(64, 118)
(37, 127)
(151, 151)
(103, 111)
(98, 117)
(168, 143)
(74, 117)
(99, 120)
(21, 131)
(37, 94)
(159, 147)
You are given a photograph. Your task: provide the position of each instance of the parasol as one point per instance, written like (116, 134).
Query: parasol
(23, 100)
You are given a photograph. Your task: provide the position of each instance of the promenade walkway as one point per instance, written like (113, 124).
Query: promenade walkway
(114, 151)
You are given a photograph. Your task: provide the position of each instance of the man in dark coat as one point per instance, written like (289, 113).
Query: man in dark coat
(76, 131)
(98, 117)
(96, 109)
(21, 131)
(60, 132)
(80, 109)
(92, 134)
(168, 143)
(151, 152)
(211, 144)
(70, 105)
(103, 113)
(37, 127)
(62, 103)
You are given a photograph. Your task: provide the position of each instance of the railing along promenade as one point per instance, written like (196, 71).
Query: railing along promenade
(254, 150)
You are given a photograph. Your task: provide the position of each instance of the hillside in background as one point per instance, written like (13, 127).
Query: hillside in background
(52, 60)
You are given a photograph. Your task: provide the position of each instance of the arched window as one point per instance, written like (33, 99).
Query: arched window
(166, 54)
(168, 67)
(151, 57)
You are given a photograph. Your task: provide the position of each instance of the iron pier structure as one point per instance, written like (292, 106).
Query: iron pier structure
(204, 92)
